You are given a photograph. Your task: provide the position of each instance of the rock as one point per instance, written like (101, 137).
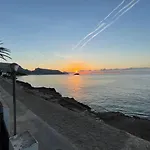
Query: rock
(72, 104)
(25, 84)
(50, 94)
(136, 117)
(45, 90)
(111, 115)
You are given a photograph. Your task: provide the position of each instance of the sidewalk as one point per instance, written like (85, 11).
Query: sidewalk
(81, 131)
(47, 137)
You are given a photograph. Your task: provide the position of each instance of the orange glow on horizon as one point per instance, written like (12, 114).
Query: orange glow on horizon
(67, 66)
(76, 67)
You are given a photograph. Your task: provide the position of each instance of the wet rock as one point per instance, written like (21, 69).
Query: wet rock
(45, 90)
(51, 95)
(72, 104)
(111, 115)
(25, 84)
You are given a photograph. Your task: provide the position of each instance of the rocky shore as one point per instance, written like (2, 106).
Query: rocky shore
(137, 126)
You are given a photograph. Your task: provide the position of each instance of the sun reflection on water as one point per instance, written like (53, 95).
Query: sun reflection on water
(75, 84)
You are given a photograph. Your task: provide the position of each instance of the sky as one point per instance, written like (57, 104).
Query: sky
(43, 33)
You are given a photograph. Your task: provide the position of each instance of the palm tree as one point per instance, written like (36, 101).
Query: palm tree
(4, 53)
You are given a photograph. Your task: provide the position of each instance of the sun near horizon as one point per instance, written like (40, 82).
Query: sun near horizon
(81, 67)
(69, 66)
(76, 67)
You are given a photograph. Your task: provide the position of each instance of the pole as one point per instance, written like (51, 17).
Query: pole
(14, 100)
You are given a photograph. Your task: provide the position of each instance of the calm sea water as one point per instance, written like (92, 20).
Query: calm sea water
(128, 93)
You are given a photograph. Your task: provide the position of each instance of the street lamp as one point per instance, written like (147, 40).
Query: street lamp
(14, 67)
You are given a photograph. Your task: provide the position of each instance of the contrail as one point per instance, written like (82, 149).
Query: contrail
(124, 8)
(109, 24)
(96, 34)
(112, 12)
(100, 25)
(88, 35)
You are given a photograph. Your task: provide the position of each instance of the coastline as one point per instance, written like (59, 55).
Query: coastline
(83, 131)
(134, 125)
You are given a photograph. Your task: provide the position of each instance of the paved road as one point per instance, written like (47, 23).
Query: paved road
(82, 131)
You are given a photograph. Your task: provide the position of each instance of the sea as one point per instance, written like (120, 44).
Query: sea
(124, 91)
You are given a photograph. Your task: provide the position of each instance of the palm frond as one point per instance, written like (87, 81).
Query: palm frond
(3, 55)
(4, 49)
(4, 52)
(3, 58)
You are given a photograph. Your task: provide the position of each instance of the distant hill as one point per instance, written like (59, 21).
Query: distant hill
(38, 71)
(22, 71)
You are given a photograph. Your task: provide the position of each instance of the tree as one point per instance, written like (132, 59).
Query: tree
(4, 53)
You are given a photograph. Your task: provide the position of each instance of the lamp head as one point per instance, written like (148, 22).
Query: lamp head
(14, 67)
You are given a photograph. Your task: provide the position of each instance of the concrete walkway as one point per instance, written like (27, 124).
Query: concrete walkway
(81, 131)
(47, 137)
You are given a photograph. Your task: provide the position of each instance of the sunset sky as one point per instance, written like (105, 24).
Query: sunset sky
(42, 33)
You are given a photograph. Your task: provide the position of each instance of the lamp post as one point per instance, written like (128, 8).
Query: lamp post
(14, 67)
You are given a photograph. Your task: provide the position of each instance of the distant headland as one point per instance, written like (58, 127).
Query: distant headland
(4, 67)
(40, 71)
